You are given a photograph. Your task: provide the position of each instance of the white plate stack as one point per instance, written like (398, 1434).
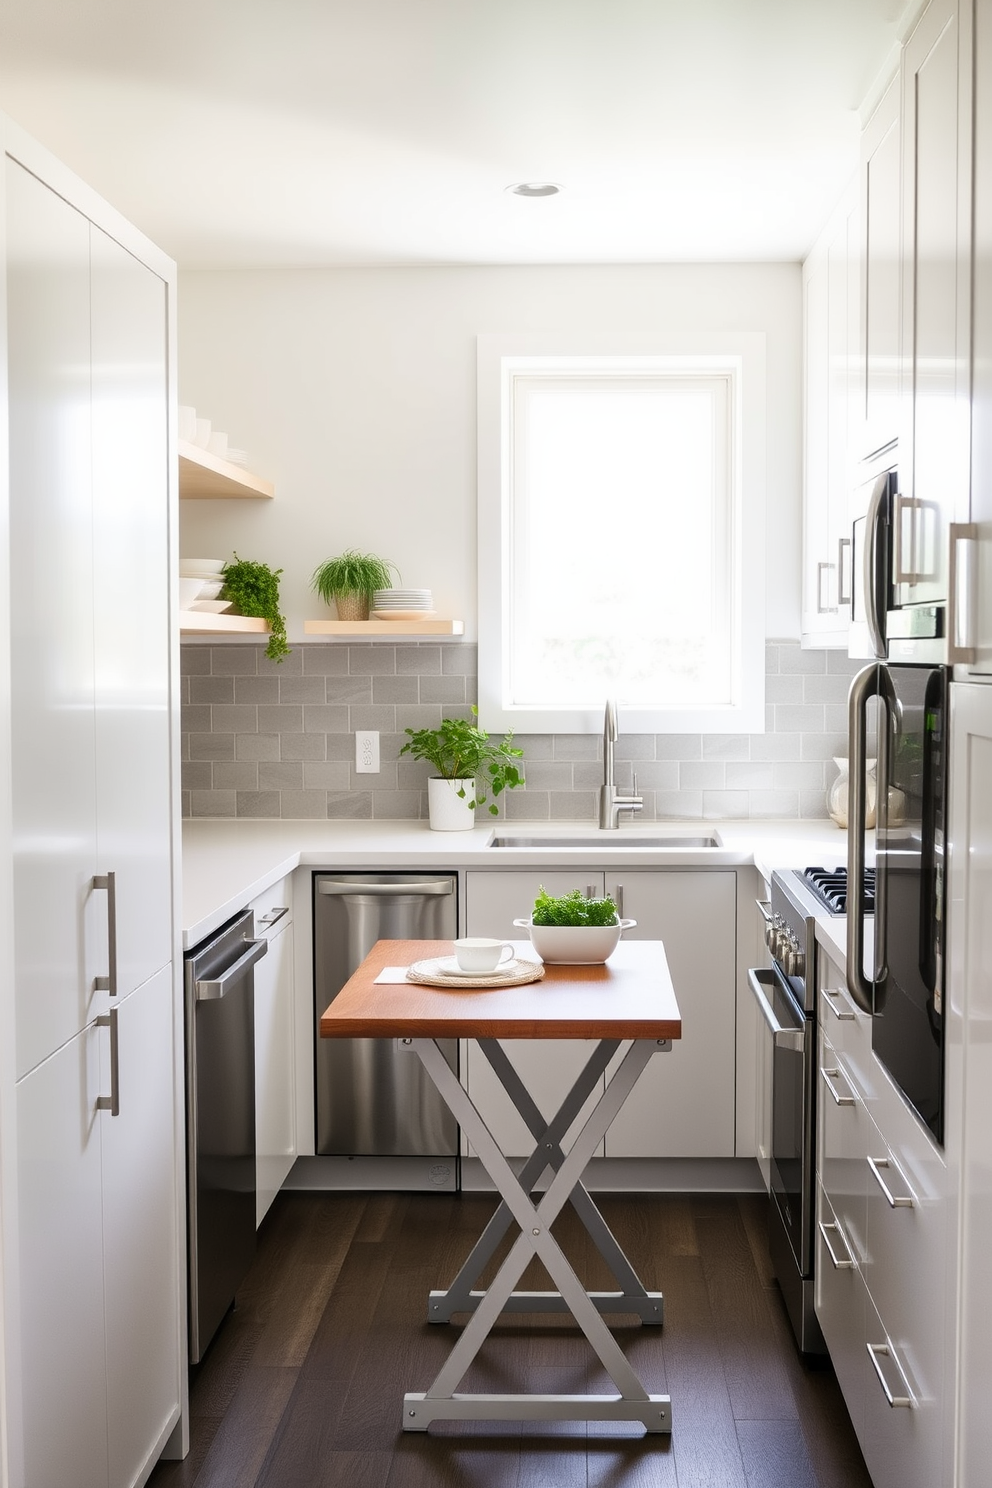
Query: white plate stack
(402, 604)
(207, 573)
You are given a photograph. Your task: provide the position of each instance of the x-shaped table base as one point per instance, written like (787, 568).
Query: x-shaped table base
(535, 1218)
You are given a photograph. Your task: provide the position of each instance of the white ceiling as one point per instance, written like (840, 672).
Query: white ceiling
(248, 132)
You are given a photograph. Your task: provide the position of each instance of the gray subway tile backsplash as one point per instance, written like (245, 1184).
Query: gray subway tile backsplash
(262, 740)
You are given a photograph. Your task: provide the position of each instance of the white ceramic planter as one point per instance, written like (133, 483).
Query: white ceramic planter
(575, 945)
(450, 812)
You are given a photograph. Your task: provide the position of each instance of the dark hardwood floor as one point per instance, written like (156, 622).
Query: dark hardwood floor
(302, 1387)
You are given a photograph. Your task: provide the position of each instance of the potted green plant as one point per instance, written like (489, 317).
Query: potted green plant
(254, 589)
(573, 928)
(350, 580)
(468, 764)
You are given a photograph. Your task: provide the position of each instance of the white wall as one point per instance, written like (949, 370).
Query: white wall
(354, 391)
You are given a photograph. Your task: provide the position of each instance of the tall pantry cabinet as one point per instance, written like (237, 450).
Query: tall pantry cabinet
(91, 1173)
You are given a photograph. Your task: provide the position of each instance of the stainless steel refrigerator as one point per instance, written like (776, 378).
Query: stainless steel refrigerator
(377, 1113)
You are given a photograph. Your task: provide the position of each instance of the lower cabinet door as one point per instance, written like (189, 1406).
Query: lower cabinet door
(275, 1094)
(684, 1103)
(141, 1185)
(902, 1431)
(549, 1067)
(62, 1372)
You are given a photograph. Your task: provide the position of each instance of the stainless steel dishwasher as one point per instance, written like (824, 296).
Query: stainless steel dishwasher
(375, 1106)
(220, 1121)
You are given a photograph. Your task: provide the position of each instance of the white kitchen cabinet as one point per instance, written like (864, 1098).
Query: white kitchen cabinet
(882, 1267)
(549, 1067)
(969, 999)
(830, 338)
(275, 1065)
(683, 1105)
(91, 1201)
(876, 414)
(99, 1252)
(935, 302)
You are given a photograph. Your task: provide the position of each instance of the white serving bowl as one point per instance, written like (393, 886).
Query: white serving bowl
(575, 945)
(195, 568)
(210, 588)
(189, 592)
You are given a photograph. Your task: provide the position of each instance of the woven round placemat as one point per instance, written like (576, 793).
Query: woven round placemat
(516, 974)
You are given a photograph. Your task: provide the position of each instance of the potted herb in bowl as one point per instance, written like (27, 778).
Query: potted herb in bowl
(254, 590)
(574, 930)
(350, 580)
(468, 764)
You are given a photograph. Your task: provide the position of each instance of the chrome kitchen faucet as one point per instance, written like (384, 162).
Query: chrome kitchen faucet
(610, 802)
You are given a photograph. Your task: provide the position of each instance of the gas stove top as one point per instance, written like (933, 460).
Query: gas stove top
(829, 887)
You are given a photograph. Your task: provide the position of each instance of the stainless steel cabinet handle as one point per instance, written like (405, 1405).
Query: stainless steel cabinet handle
(876, 1353)
(111, 1102)
(785, 1038)
(839, 1264)
(618, 900)
(839, 1008)
(765, 909)
(352, 886)
(842, 597)
(821, 608)
(217, 987)
(830, 1077)
(895, 1201)
(274, 914)
(961, 592)
(108, 983)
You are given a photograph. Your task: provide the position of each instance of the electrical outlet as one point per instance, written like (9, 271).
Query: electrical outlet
(367, 752)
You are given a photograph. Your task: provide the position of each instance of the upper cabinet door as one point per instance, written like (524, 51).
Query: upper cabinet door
(60, 940)
(933, 437)
(131, 602)
(981, 412)
(876, 421)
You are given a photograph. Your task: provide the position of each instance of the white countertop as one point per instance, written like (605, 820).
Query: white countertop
(227, 864)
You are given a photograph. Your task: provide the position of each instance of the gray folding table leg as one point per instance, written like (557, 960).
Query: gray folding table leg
(633, 1296)
(441, 1401)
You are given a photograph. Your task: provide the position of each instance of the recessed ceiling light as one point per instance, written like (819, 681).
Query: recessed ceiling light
(534, 188)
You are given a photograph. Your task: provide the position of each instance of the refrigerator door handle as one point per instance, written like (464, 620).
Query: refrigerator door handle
(864, 686)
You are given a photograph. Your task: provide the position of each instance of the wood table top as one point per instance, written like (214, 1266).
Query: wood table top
(630, 996)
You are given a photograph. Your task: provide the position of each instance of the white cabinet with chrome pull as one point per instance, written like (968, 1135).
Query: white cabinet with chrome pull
(882, 1260)
(275, 1098)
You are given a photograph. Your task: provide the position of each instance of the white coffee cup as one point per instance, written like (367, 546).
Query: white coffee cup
(477, 956)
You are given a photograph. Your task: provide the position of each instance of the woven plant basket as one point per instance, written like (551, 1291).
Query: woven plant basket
(352, 607)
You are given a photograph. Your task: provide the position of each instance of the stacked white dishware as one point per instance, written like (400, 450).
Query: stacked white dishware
(208, 574)
(402, 604)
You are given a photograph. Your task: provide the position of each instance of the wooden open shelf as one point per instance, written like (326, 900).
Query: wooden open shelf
(204, 477)
(366, 629)
(206, 622)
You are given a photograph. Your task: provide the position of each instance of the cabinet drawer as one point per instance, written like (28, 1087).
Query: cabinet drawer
(901, 1439)
(844, 1130)
(840, 1300)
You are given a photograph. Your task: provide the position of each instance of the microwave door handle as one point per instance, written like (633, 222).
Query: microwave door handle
(864, 686)
(933, 704)
(876, 578)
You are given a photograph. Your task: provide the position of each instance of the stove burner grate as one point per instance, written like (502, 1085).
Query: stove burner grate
(829, 885)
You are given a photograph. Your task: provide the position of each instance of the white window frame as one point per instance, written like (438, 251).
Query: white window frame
(740, 355)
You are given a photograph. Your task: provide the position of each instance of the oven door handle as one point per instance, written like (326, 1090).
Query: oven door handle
(758, 978)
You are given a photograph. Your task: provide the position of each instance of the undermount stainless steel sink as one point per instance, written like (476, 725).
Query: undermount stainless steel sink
(606, 839)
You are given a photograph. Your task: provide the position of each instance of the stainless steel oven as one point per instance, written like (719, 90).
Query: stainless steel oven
(785, 994)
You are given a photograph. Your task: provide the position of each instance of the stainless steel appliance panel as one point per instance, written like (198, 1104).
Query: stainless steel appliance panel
(220, 1101)
(373, 1099)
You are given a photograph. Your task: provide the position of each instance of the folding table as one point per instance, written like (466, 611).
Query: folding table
(628, 1000)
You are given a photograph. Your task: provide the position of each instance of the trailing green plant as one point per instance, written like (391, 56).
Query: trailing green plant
(254, 588)
(573, 909)
(352, 573)
(459, 750)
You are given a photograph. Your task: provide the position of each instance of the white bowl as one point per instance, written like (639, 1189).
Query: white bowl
(200, 567)
(189, 592)
(575, 945)
(210, 588)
